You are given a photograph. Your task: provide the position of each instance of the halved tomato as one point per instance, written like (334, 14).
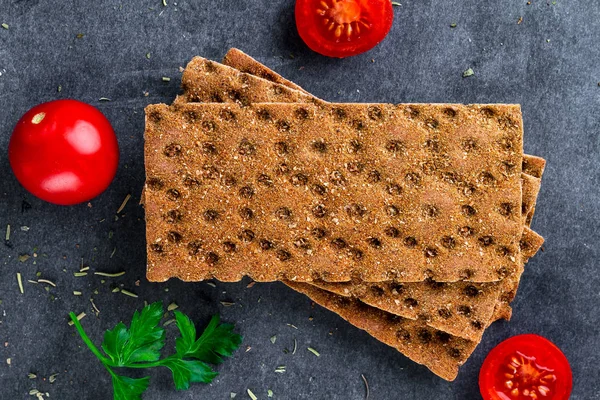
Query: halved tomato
(342, 28)
(526, 367)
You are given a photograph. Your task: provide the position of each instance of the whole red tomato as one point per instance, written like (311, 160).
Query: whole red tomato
(64, 152)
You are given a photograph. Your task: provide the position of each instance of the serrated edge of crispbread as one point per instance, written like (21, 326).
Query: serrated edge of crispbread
(409, 337)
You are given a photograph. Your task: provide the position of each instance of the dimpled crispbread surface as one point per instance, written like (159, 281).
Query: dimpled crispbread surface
(374, 192)
(417, 296)
(459, 308)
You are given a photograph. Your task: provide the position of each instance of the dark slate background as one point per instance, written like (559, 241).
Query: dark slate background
(549, 63)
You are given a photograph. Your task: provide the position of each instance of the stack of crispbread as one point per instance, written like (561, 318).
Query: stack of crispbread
(410, 221)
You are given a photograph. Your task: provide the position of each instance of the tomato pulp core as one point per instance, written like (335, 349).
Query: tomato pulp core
(523, 378)
(342, 18)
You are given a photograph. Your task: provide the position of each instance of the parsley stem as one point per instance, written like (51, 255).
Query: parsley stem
(159, 363)
(87, 340)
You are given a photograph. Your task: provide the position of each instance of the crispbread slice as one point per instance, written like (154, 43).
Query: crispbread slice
(476, 155)
(208, 81)
(241, 61)
(462, 309)
(439, 351)
(534, 166)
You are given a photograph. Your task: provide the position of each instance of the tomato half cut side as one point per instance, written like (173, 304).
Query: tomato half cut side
(526, 367)
(342, 28)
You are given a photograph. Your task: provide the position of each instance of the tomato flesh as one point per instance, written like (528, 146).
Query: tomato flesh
(526, 367)
(342, 28)
(64, 152)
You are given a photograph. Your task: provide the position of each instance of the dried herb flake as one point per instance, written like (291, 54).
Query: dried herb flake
(316, 353)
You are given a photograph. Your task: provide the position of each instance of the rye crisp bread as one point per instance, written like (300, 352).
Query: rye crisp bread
(211, 82)
(438, 171)
(239, 60)
(462, 309)
(439, 351)
(532, 165)
(243, 62)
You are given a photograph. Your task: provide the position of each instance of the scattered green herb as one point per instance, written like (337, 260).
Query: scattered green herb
(227, 303)
(52, 378)
(124, 203)
(166, 79)
(269, 393)
(395, 3)
(169, 322)
(164, 3)
(46, 281)
(115, 290)
(280, 369)
(5, 26)
(104, 99)
(172, 307)
(113, 252)
(316, 353)
(139, 346)
(20, 281)
(77, 293)
(211, 284)
(79, 36)
(25, 228)
(468, 73)
(366, 386)
(24, 257)
(295, 346)
(292, 326)
(31, 375)
(79, 274)
(453, 25)
(128, 293)
(109, 275)
(96, 310)
(148, 55)
(7, 233)
(79, 317)
(273, 339)
(251, 395)
(83, 269)
(232, 395)
(59, 88)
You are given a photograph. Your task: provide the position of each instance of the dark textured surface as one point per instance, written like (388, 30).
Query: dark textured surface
(548, 63)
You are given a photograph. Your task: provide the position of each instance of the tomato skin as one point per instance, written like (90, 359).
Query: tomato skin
(543, 359)
(314, 30)
(64, 152)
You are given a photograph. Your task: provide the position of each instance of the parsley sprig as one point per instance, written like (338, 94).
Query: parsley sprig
(139, 346)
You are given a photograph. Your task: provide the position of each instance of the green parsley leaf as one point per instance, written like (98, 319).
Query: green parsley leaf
(128, 388)
(188, 371)
(148, 337)
(141, 342)
(114, 343)
(217, 340)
